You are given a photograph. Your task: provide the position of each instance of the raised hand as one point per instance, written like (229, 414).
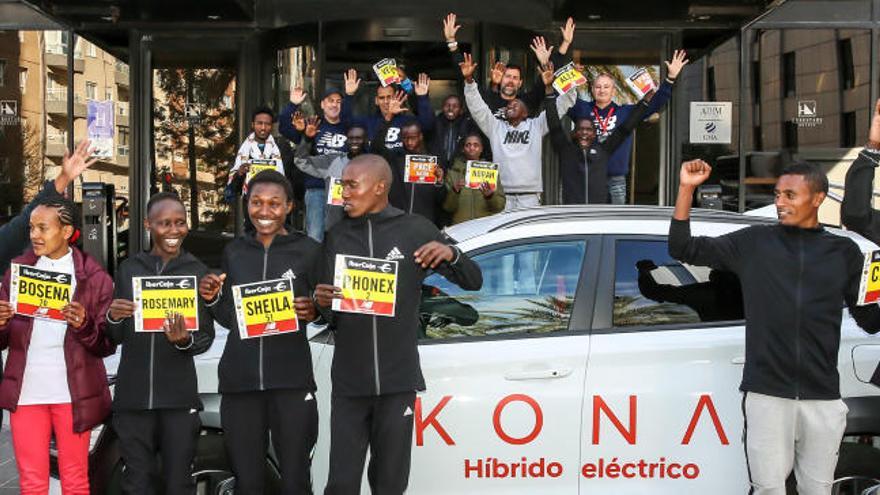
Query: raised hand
(352, 82)
(567, 35)
(497, 73)
(397, 104)
(679, 60)
(210, 285)
(468, 67)
(423, 84)
(73, 164)
(694, 172)
(539, 46)
(297, 96)
(121, 309)
(298, 120)
(312, 124)
(450, 28)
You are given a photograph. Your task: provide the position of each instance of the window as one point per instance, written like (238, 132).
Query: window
(108, 93)
(789, 74)
(651, 288)
(710, 83)
(789, 135)
(527, 289)
(845, 64)
(90, 49)
(22, 80)
(2, 73)
(848, 130)
(91, 90)
(756, 80)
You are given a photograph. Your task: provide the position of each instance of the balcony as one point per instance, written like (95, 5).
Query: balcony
(121, 74)
(56, 144)
(56, 103)
(56, 58)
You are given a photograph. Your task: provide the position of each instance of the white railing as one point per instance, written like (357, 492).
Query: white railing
(57, 138)
(61, 49)
(60, 94)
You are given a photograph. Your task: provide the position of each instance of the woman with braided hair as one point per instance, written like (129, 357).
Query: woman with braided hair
(54, 381)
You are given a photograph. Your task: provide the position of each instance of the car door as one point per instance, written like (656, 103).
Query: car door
(662, 411)
(504, 368)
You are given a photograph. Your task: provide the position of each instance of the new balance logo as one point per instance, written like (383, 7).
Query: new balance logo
(289, 274)
(516, 137)
(394, 254)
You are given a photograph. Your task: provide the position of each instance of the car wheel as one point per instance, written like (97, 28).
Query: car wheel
(858, 470)
(212, 470)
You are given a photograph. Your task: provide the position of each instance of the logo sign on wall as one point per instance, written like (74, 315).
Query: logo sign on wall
(711, 122)
(9, 112)
(807, 114)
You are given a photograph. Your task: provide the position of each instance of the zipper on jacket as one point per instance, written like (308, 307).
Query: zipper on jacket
(586, 179)
(265, 266)
(159, 269)
(797, 326)
(375, 327)
(412, 198)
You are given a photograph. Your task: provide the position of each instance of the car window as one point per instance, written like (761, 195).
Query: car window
(527, 288)
(652, 288)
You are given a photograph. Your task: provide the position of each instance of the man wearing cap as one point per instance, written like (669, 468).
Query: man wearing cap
(330, 139)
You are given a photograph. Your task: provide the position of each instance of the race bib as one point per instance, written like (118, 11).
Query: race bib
(567, 78)
(265, 308)
(369, 285)
(869, 288)
(478, 172)
(386, 71)
(641, 82)
(157, 298)
(334, 192)
(39, 293)
(421, 169)
(258, 165)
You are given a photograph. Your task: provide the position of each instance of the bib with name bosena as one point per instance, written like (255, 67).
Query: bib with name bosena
(265, 308)
(369, 285)
(39, 293)
(157, 298)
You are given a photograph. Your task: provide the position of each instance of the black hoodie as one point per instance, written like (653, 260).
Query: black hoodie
(377, 355)
(279, 361)
(154, 373)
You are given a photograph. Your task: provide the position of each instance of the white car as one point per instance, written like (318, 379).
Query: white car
(589, 362)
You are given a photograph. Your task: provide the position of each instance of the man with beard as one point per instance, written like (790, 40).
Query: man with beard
(259, 145)
(329, 168)
(332, 127)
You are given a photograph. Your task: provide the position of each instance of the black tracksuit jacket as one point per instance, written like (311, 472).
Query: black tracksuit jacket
(419, 199)
(574, 161)
(794, 282)
(278, 361)
(153, 373)
(378, 355)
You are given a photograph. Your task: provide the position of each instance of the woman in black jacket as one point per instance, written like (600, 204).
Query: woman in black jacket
(156, 398)
(266, 382)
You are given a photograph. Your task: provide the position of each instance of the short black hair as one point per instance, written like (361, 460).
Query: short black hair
(453, 95)
(68, 213)
(357, 126)
(264, 109)
(162, 196)
(272, 177)
(816, 179)
(411, 123)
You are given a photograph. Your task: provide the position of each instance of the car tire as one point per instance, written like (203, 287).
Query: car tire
(213, 471)
(858, 469)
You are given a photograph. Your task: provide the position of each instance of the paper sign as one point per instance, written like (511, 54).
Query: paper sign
(869, 288)
(421, 169)
(265, 308)
(99, 124)
(157, 298)
(256, 166)
(39, 293)
(711, 122)
(334, 192)
(641, 82)
(369, 285)
(386, 71)
(567, 78)
(478, 172)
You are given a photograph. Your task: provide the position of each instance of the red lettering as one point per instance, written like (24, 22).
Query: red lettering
(539, 419)
(431, 420)
(628, 434)
(705, 402)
